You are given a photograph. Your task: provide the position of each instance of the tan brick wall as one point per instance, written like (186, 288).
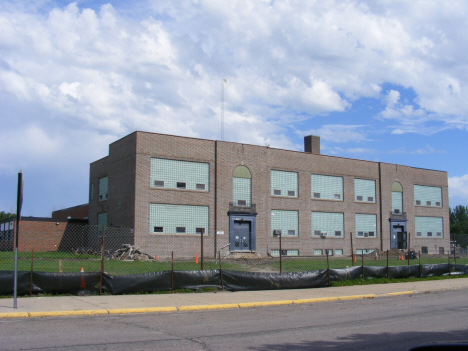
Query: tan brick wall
(130, 194)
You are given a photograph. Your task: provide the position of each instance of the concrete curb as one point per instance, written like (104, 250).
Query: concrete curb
(196, 307)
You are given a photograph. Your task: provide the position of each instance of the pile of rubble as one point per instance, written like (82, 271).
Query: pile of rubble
(129, 253)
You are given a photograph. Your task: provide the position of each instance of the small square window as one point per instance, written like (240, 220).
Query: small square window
(199, 230)
(360, 233)
(359, 198)
(338, 252)
(241, 203)
(200, 186)
(429, 233)
(291, 232)
(337, 197)
(158, 229)
(317, 195)
(418, 234)
(371, 233)
(317, 232)
(338, 233)
(180, 229)
(291, 193)
(370, 199)
(437, 203)
(277, 192)
(159, 183)
(181, 185)
(439, 234)
(418, 202)
(396, 211)
(428, 203)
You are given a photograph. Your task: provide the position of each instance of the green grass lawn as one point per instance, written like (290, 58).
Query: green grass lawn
(72, 263)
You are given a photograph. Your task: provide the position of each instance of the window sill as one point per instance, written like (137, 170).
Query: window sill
(327, 237)
(285, 197)
(178, 234)
(365, 202)
(322, 199)
(426, 206)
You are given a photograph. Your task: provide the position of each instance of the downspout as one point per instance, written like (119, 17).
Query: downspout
(215, 198)
(381, 215)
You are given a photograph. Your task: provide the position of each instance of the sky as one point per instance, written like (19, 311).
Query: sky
(383, 81)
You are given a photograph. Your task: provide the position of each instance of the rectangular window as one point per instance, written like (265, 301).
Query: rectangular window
(427, 195)
(327, 222)
(418, 234)
(397, 202)
(428, 225)
(198, 230)
(275, 253)
(329, 252)
(181, 185)
(103, 188)
(159, 183)
(365, 223)
(286, 221)
(291, 232)
(326, 187)
(317, 252)
(283, 182)
(241, 191)
(172, 172)
(424, 249)
(101, 221)
(158, 229)
(175, 217)
(364, 190)
(338, 252)
(200, 187)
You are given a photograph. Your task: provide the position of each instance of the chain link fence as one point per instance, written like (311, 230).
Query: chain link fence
(83, 248)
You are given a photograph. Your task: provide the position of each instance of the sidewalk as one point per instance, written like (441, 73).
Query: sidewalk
(93, 305)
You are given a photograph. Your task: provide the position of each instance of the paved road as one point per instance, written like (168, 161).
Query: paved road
(384, 323)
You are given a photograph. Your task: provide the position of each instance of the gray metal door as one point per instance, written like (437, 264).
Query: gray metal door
(398, 237)
(240, 236)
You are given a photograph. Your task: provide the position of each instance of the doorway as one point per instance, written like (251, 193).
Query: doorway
(242, 233)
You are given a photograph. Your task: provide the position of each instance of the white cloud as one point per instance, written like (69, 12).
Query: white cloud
(157, 66)
(458, 187)
(428, 149)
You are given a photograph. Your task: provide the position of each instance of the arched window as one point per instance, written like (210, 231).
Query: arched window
(241, 186)
(397, 198)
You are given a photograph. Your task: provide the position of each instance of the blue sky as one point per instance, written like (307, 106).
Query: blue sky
(381, 81)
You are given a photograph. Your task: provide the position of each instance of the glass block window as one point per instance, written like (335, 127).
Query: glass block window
(397, 202)
(329, 223)
(429, 227)
(275, 253)
(317, 252)
(364, 251)
(427, 196)
(178, 219)
(283, 183)
(366, 225)
(329, 252)
(286, 221)
(364, 190)
(338, 252)
(326, 187)
(103, 188)
(101, 220)
(174, 174)
(241, 191)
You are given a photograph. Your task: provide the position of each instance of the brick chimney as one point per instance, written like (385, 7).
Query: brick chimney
(312, 144)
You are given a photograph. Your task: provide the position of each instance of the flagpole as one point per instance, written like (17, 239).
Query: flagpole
(19, 204)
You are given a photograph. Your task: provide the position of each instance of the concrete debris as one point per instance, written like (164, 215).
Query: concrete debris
(128, 252)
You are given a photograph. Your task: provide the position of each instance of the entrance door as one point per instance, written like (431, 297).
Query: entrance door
(240, 236)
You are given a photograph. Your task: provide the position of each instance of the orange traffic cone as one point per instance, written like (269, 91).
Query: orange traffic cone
(82, 279)
(354, 257)
(156, 257)
(376, 256)
(196, 259)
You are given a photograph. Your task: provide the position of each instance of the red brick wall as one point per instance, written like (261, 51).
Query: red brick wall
(40, 235)
(76, 212)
